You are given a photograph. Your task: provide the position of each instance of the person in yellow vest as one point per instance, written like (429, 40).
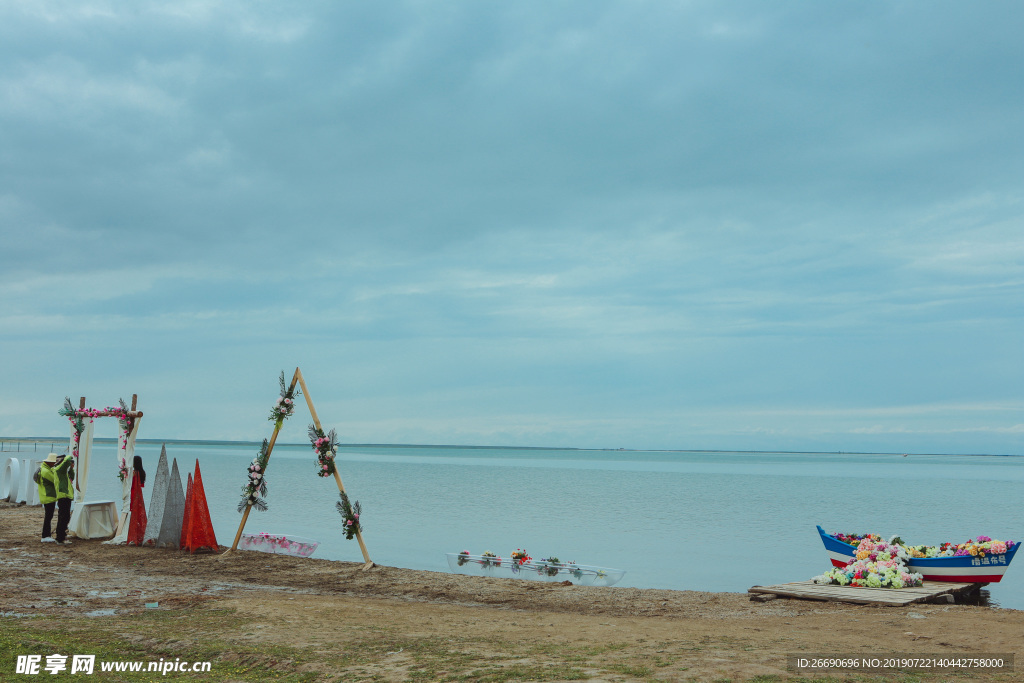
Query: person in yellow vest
(55, 476)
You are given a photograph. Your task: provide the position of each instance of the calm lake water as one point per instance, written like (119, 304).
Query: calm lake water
(715, 521)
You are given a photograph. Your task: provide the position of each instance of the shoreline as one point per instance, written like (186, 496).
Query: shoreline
(400, 624)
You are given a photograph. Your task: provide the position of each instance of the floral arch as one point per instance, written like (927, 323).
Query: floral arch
(80, 448)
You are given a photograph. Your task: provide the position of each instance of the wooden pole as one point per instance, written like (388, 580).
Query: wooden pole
(337, 476)
(270, 449)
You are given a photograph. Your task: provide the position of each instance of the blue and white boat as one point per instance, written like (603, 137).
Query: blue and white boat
(951, 569)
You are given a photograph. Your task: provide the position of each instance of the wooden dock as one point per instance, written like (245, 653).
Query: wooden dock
(931, 591)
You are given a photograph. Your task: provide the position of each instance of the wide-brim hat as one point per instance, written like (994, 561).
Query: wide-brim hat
(51, 458)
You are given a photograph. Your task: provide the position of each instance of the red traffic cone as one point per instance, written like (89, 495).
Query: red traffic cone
(186, 522)
(200, 527)
(137, 525)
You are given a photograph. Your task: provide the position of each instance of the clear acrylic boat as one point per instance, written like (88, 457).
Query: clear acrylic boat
(534, 570)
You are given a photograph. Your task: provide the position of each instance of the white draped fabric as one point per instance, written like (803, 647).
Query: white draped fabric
(79, 524)
(84, 457)
(126, 455)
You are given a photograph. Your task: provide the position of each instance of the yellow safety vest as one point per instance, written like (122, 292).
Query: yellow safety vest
(55, 482)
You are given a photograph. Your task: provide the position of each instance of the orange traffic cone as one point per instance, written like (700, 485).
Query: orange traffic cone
(200, 527)
(186, 522)
(137, 525)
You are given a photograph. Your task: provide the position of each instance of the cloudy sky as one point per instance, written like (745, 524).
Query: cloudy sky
(724, 225)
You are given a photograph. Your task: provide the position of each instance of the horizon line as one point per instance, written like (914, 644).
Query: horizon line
(107, 439)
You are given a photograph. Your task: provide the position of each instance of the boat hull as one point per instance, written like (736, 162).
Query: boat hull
(964, 569)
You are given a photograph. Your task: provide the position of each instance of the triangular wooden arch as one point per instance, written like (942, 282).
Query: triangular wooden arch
(297, 378)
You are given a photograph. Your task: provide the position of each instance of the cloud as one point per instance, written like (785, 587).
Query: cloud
(583, 223)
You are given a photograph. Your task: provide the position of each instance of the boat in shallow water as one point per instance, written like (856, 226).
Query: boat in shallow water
(535, 570)
(952, 569)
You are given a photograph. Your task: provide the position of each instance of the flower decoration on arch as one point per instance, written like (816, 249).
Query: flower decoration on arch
(285, 404)
(326, 447)
(255, 488)
(77, 417)
(350, 516)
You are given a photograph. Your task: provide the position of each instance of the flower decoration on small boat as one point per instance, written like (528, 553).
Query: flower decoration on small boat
(326, 447)
(867, 560)
(285, 404)
(275, 543)
(350, 516)
(549, 566)
(877, 564)
(979, 546)
(976, 547)
(256, 482)
(519, 558)
(522, 566)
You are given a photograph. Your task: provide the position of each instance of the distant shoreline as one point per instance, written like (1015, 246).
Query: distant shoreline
(217, 442)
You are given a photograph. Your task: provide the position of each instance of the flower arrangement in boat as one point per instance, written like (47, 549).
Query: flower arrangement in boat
(326, 447)
(855, 539)
(285, 404)
(522, 566)
(273, 543)
(876, 565)
(350, 516)
(979, 546)
(256, 482)
(976, 547)
(549, 566)
(519, 558)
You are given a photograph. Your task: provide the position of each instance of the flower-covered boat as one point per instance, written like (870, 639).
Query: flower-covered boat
(954, 564)
(296, 546)
(522, 566)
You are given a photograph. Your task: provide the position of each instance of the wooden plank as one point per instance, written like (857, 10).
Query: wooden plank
(808, 590)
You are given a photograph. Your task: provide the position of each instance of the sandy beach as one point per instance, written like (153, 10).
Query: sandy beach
(309, 619)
